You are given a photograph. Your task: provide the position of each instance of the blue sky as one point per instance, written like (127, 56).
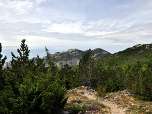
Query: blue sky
(112, 25)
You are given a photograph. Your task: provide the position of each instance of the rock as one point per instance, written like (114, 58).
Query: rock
(7, 64)
(126, 93)
(116, 98)
(147, 46)
(71, 62)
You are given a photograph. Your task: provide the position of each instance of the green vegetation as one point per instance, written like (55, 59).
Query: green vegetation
(86, 65)
(30, 87)
(77, 108)
(2, 61)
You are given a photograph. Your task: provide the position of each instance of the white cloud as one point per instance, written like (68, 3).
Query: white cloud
(117, 44)
(65, 28)
(14, 11)
(75, 23)
(40, 1)
(19, 7)
(98, 33)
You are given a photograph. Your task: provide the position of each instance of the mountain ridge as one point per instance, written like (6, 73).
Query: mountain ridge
(71, 57)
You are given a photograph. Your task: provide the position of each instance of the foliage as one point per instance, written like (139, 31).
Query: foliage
(69, 76)
(44, 94)
(50, 62)
(22, 63)
(77, 108)
(86, 65)
(2, 61)
(38, 91)
(52, 100)
(35, 88)
(40, 65)
(101, 91)
(142, 84)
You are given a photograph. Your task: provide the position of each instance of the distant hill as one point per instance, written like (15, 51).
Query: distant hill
(141, 52)
(71, 57)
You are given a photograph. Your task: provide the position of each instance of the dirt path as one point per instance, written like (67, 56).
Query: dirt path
(114, 107)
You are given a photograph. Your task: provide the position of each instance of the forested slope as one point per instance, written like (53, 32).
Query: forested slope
(34, 88)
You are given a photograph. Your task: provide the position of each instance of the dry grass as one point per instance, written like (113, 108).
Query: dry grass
(134, 106)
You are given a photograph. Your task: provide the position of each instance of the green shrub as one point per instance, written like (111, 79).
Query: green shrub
(77, 108)
(43, 95)
(77, 100)
(101, 91)
(93, 105)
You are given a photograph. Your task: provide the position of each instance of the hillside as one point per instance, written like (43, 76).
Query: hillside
(139, 52)
(120, 102)
(49, 90)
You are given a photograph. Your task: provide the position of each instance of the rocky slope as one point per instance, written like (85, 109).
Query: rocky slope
(71, 57)
(94, 104)
(119, 102)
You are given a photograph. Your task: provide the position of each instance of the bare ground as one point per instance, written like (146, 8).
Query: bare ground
(114, 108)
(111, 107)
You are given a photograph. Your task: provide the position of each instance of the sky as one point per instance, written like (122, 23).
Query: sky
(112, 25)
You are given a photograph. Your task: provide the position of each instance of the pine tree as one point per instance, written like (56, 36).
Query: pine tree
(50, 62)
(2, 61)
(86, 65)
(22, 63)
(67, 75)
(40, 65)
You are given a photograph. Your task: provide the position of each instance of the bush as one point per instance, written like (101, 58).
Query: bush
(101, 91)
(44, 94)
(77, 100)
(77, 108)
(92, 105)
